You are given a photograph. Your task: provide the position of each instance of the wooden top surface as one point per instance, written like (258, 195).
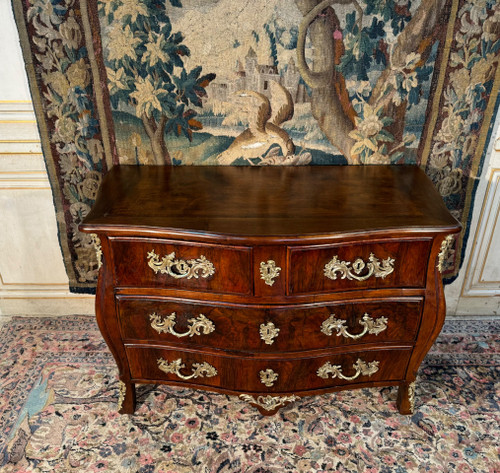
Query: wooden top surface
(268, 201)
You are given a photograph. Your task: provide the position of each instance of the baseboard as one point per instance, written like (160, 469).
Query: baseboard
(53, 305)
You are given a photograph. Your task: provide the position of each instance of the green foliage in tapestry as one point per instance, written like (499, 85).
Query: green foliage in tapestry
(272, 45)
(145, 68)
(368, 52)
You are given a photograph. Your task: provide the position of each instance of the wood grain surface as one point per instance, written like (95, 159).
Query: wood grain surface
(298, 219)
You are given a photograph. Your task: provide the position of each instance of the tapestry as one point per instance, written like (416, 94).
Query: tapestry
(283, 82)
(59, 391)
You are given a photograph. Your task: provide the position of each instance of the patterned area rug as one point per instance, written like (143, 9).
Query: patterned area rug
(58, 393)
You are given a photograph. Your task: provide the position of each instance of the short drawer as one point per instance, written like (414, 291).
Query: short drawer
(267, 375)
(181, 265)
(269, 328)
(367, 265)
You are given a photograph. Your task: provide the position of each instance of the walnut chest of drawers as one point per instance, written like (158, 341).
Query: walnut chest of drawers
(270, 283)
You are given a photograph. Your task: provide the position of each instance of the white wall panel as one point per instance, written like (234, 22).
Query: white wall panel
(32, 276)
(477, 289)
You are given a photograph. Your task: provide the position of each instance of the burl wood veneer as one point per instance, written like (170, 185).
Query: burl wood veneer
(270, 283)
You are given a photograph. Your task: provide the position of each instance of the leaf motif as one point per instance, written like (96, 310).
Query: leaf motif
(356, 135)
(410, 138)
(358, 148)
(455, 59)
(195, 124)
(370, 144)
(384, 135)
(396, 156)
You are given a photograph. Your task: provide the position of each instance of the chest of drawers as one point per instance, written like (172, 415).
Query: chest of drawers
(270, 283)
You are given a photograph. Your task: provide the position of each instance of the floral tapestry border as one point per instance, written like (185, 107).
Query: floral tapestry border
(463, 116)
(76, 151)
(63, 54)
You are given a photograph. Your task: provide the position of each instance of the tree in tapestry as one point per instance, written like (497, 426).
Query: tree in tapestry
(368, 72)
(146, 73)
(298, 81)
(365, 114)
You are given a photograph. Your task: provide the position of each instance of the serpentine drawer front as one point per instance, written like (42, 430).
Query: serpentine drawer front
(270, 329)
(270, 283)
(163, 263)
(240, 374)
(352, 266)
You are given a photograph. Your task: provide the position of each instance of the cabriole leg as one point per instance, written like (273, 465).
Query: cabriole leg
(126, 397)
(406, 398)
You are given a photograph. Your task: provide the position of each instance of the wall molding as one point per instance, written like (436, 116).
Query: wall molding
(22, 169)
(18, 129)
(476, 284)
(28, 180)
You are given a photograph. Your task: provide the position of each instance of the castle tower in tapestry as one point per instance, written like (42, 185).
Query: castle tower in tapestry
(291, 81)
(250, 69)
(250, 75)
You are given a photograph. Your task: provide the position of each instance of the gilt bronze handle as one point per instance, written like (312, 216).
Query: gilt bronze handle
(166, 325)
(200, 370)
(371, 326)
(362, 369)
(179, 268)
(373, 268)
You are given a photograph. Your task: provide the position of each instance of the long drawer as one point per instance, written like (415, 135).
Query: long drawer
(269, 328)
(143, 262)
(156, 263)
(267, 375)
(365, 265)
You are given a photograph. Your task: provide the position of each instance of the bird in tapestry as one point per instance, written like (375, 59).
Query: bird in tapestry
(265, 117)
